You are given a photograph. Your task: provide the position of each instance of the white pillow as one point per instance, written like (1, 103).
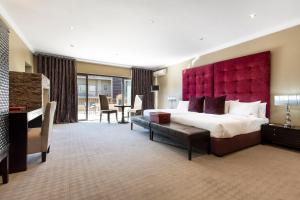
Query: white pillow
(262, 110)
(227, 105)
(183, 105)
(244, 109)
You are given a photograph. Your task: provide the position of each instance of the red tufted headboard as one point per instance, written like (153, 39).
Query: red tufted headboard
(246, 78)
(197, 82)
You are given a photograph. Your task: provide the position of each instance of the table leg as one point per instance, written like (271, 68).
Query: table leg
(189, 150)
(123, 115)
(123, 118)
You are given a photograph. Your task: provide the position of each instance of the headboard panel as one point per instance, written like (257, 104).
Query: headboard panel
(246, 78)
(197, 82)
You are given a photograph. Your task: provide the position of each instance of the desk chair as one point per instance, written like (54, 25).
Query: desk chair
(39, 139)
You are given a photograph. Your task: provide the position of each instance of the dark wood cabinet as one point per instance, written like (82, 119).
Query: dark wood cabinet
(4, 107)
(277, 134)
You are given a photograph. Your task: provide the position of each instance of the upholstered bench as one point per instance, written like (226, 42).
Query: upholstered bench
(186, 135)
(141, 121)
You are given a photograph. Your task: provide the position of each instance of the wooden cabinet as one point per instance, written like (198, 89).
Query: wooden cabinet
(277, 134)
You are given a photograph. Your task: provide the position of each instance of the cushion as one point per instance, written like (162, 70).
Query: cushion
(215, 105)
(34, 136)
(244, 109)
(196, 104)
(183, 105)
(227, 105)
(262, 110)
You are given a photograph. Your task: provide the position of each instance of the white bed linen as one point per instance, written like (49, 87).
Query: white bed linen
(172, 111)
(220, 126)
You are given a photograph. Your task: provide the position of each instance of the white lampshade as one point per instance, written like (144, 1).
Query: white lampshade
(287, 100)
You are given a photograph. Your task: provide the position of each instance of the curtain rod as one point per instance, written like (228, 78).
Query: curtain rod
(54, 55)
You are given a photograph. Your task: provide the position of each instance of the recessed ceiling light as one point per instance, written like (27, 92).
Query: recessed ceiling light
(72, 45)
(71, 28)
(201, 39)
(252, 16)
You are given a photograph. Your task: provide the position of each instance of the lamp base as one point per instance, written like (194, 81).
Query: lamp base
(288, 120)
(287, 126)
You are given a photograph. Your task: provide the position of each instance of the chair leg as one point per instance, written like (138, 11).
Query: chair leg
(108, 117)
(100, 116)
(48, 151)
(44, 155)
(4, 170)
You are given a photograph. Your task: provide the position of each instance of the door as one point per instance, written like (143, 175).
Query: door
(117, 90)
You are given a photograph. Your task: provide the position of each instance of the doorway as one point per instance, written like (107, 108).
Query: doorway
(117, 90)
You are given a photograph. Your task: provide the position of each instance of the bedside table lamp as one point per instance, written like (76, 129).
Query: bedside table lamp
(287, 100)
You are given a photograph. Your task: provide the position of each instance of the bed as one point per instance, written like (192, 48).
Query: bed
(220, 126)
(172, 111)
(246, 79)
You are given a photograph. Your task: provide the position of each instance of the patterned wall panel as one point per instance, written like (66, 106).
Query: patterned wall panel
(4, 85)
(197, 82)
(246, 78)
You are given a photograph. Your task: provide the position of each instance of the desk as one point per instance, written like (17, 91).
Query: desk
(19, 122)
(123, 108)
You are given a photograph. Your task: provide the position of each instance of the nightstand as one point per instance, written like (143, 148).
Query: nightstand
(277, 134)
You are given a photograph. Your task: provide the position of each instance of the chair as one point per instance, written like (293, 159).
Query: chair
(137, 107)
(104, 108)
(39, 139)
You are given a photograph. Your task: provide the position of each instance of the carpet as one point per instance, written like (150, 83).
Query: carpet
(108, 161)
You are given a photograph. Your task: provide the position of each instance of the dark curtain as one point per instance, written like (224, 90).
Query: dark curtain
(142, 79)
(63, 85)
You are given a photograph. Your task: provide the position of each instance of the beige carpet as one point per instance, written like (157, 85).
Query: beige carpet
(102, 161)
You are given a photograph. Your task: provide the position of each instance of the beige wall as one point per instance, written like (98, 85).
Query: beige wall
(90, 68)
(19, 54)
(285, 70)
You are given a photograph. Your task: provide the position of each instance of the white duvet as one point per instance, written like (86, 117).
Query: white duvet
(220, 126)
(172, 111)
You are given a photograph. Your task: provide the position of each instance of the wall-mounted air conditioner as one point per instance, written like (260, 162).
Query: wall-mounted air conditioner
(161, 72)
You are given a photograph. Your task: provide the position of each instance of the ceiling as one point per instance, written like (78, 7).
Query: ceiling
(146, 33)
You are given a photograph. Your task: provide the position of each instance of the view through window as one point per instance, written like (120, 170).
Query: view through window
(117, 90)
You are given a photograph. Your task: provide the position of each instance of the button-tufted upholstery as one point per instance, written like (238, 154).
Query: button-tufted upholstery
(197, 82)
(246, 78)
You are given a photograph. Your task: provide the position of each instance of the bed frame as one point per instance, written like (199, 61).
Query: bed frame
(245, 78)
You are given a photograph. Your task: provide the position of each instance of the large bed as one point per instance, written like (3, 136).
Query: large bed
(228, 132)
(246, 79)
